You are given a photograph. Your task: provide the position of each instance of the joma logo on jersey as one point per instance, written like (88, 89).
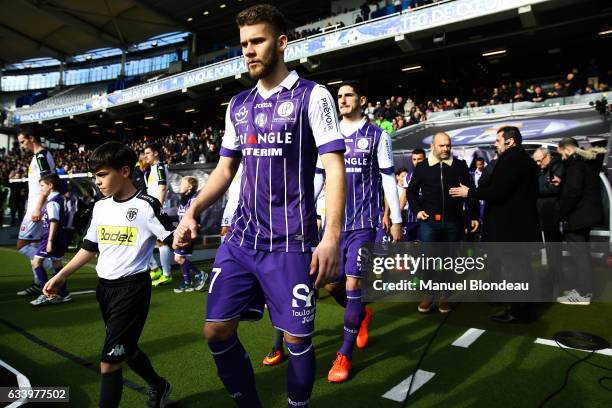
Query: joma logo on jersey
(114, 235)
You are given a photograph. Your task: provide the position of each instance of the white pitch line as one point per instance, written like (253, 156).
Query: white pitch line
(22, 382)
(82, 292)
(468, 338)
(398, 393)
(546, 342)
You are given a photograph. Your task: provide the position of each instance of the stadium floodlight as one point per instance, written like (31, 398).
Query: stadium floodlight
(58, 129)
(339, 81)
(605, 32)
(189, 110)
(190, 19)
(205, 13)
(412, 68)
(149, 117)
(309, 63)
(527, 16)
(494, 53)
(118, 122)
(222, 6)
(93, 126)
(404, 43)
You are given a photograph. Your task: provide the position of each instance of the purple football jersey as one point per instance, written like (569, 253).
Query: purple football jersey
(279, 139)
(367, 154)
(182, 208)
(54, 209)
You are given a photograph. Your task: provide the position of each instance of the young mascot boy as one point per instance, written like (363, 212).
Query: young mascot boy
(124, 227)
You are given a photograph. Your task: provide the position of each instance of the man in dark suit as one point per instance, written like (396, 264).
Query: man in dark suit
(510, 213)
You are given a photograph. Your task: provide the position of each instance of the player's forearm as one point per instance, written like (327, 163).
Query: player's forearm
(40, 202)
(52, 230)
(334, 194)
(163, 190)
(217, 184)
(80, 259)
(391, 199)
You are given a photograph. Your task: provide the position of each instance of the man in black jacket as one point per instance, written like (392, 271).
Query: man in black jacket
(441, 216)
(510, 213)
(551, 169)
(580, 210)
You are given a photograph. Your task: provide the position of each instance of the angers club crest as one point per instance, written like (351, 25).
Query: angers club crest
(131, 214)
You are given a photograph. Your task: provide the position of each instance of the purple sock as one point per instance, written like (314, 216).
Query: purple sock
(301, 373)
(41, 275)
(191, 267)
(64, 289)
(352, 319)
(235, 371)
(185, 270)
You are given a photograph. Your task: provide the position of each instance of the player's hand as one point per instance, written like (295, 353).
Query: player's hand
(422, 215)
(325, 261)
(475, 224)
(224, 231)
(185, 233)
(461, 191)
(49, 247)
(53, 285)
(386, 223)
(36, 215)
(396, 232)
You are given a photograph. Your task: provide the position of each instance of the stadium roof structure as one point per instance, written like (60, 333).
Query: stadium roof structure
(31, 29)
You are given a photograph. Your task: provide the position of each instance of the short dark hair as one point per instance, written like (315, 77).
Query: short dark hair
(114, 155)
(33, 131)
(156, 148)
(52, 179)
(511, 132)
(418, 151)
(479, 159)
(356, 85)
(568, 141)
(263, 13)
(400, 171)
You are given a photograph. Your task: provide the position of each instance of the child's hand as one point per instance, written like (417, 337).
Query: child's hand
(53, 285)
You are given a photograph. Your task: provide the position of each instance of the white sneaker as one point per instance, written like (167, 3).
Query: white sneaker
(574, 298)
(60, 299)
(41, 300)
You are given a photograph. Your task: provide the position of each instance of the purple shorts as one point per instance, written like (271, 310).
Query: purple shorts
(411, 231)
(243, 280)
(59, 249)
(350, 246)
(381, 235)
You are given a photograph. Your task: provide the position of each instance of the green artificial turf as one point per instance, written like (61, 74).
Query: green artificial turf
(503, 368)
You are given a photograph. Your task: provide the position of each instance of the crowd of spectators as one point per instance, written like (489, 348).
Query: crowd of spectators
(178, 148)
(398, 112)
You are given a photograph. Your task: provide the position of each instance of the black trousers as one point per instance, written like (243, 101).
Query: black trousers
(580, 259)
